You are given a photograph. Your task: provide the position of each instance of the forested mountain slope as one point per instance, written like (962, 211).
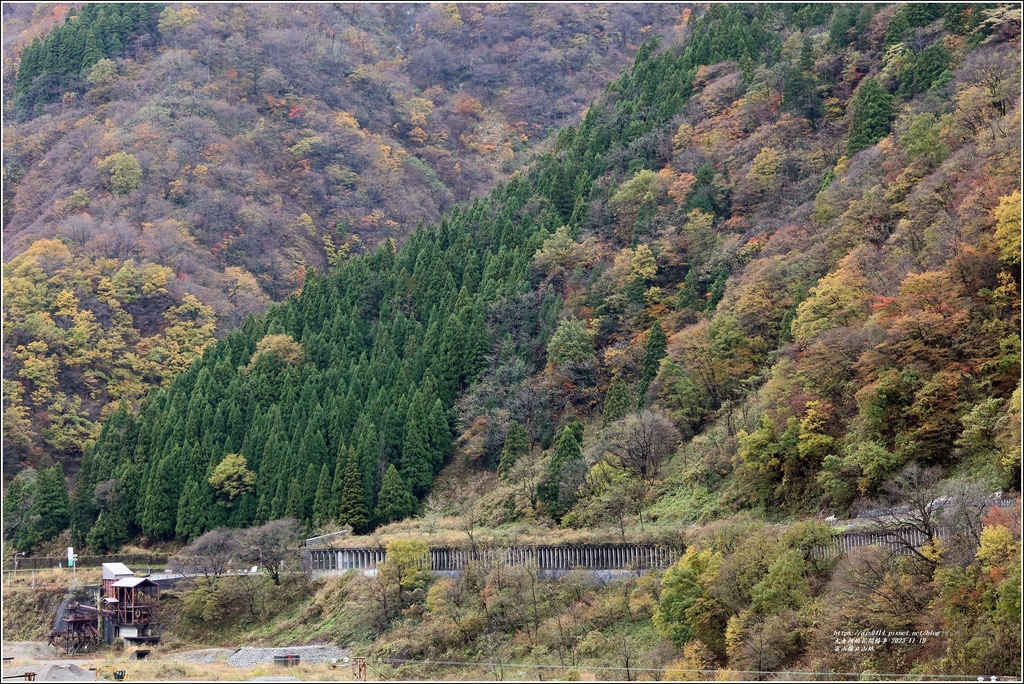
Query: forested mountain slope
(169, 168)
(774, 271)
(852, 278)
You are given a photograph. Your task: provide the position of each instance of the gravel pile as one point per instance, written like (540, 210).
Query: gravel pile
(206, 655)
(250, 656)
(66, 673)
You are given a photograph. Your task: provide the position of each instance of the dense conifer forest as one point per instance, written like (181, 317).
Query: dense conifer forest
(770, 274)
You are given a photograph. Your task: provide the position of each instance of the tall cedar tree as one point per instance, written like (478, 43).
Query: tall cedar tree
(618, 401)
(322, 499)
(567, 451)
(191, 514)
(395, 501)
(293, 507)
(657, 343)
(417, 457)
(871, 113)
(50, 508)
(352, 507)
(517, 445)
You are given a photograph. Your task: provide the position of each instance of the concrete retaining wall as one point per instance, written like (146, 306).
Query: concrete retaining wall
(551, 561)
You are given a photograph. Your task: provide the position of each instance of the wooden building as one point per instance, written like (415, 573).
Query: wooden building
(133, 604)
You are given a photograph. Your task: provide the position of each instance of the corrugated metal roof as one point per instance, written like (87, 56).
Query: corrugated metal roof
(130, 582)
(115, 570)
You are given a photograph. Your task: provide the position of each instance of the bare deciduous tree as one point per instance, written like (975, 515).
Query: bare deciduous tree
(209, 555)
(917, 508)
(642, 442)
(273, 545)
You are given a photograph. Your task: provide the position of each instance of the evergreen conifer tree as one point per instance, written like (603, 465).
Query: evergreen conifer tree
(352, 509)
(293, 507)
(322, 508)
(417, 460)
(687, 297)
(394, 501)
(109, 532)
(309, 487)
(517, 445)
(552, 490)
(439, 434)
(617, 402)
(657, 343)
(191, 520)
(717, 291)
(17, 508)
(160, 505)
(871, 114)
(50, 506)
(280, 501)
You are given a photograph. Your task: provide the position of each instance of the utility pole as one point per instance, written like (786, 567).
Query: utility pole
(359, 669)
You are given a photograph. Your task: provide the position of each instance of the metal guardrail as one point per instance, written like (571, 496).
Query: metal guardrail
(51, 562)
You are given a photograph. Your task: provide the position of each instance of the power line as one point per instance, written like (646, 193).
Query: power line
(915, 676)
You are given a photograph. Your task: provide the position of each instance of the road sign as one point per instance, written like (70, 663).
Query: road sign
(72, 556)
